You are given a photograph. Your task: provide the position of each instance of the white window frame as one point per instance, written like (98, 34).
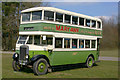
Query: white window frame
(54, 16)
(30, 16)
(62, 42)
(42, 14)
(63, 18)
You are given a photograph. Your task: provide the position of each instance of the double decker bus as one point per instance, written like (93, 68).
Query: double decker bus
(50, 36)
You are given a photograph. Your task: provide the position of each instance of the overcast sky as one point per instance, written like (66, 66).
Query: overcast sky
(89, 8)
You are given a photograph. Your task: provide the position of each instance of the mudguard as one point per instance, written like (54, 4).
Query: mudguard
(36, 57)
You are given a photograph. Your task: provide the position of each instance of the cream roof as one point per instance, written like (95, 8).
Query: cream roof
(59, 11)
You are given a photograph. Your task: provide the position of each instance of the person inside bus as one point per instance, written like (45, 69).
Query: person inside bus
(73, 45)
(81, 45)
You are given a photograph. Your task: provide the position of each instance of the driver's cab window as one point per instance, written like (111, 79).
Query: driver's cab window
(30, 40)
(22, 39)
(38, 40)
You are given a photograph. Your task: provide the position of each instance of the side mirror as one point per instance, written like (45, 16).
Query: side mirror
(49, 50)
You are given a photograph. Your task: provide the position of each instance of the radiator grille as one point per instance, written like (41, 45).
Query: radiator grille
(23, 51)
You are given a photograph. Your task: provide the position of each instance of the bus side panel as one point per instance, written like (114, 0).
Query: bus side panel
(70, 57)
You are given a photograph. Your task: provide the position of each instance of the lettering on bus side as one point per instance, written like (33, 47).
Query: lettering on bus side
(72, 30)
(65, 28)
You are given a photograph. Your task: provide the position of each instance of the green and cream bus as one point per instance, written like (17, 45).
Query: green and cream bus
(49, 37)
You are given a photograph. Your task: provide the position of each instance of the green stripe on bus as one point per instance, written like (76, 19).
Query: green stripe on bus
(59, 28)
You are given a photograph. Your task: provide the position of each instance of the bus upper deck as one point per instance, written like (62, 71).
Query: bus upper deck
(49, 19)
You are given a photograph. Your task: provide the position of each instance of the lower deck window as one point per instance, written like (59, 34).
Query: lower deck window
(87, 43)
(81, 43)
(66, 43)
(48, 41)
(37, 39)
(74, 43)
(93, 43)
(58, 42)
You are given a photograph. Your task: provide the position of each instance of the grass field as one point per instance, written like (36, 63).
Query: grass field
(103, 69)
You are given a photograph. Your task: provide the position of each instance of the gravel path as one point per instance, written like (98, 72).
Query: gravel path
(100, 58)
(110, 58)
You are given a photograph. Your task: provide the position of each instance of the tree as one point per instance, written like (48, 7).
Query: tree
(11, 21)
(110, 33)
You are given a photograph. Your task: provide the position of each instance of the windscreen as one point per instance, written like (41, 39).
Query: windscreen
(22, 39)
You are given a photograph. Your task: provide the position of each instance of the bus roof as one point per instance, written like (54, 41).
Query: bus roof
(60, 11)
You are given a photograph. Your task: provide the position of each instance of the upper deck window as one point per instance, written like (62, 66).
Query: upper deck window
(67, 18)
(59, 17)
(74, 20)
(26, 16)
(81, 21)
(93, 23)
(98, 24)
(88, 22)
(49, 15)
(37, 15)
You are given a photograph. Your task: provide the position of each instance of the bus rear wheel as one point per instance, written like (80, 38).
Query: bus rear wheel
(89, 62)
(40, 67)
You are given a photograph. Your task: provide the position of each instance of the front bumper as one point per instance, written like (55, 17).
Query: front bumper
(23, 62)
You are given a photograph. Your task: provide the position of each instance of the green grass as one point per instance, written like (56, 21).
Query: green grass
(109, 53)
(103, 69)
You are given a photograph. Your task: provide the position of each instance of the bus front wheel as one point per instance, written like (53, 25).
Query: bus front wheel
(40, 67)
(16, 66)
(89, 62)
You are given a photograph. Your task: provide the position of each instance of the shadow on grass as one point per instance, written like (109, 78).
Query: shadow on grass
(69, 67)
(27, 70)
(59, 68)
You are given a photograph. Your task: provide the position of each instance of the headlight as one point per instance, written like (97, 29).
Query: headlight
(16, 55)
(27, 56)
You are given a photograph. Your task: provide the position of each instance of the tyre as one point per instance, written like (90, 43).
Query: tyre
(40, 67)
(89, 62)
(16, 66)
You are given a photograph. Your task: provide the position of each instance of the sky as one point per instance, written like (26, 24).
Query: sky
(89, 8)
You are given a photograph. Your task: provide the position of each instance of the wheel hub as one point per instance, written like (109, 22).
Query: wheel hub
(41, 66)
